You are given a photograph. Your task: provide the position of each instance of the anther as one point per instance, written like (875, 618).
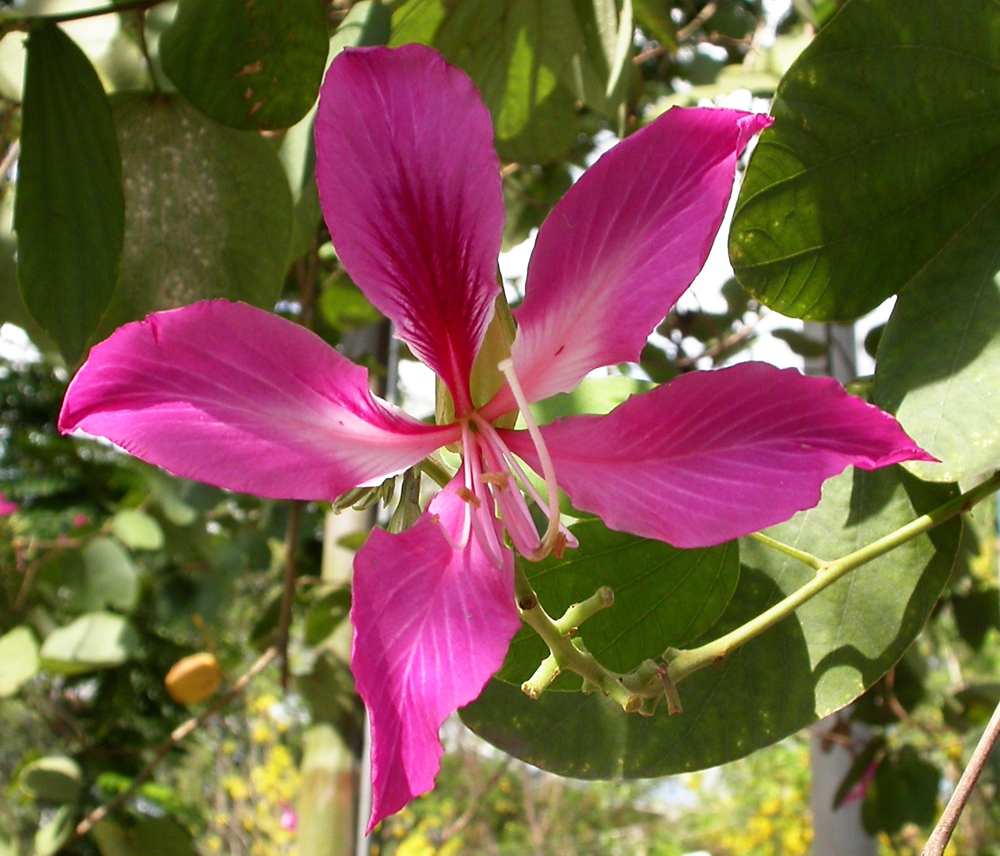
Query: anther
(500, 480)
(466, 495)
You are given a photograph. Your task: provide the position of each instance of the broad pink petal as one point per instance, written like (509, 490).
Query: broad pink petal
(7, 507)
(431, 625)
(241, 398)
(623, 244)
(716, 455)
(410, 187)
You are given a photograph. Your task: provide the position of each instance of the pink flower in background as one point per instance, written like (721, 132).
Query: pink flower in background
(411, 192)
(289, 819)
(7, 507)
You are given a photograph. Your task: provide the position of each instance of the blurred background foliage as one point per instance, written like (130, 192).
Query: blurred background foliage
(113, 573)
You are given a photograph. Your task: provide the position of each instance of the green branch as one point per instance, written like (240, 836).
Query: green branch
(636, 692)
(11, 17)
(684, 663)
(639, 691)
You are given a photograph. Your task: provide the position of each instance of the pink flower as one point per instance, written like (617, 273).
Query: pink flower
(410, 187)
(289, 819)
(7, 507)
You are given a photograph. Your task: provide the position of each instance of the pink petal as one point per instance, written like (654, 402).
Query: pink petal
(238, 397)
(623, 244)
(410, 186)
(7, 507)
(716, 455)
(432, 624)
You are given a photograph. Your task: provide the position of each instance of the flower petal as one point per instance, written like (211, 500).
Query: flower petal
(431, 625)
(716, 455)
(410, 187)
(7, 507)
(623, 244)
(243, 399)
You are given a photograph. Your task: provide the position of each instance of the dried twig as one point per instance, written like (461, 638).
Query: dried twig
(963, 790)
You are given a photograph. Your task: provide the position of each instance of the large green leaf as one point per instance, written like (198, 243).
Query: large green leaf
(208, 211)
(664, 597)
(55, 778)
(110, 576)
(250, 65)
(137, 530)
(151, 836)
(881, 170)
(18, 659)
(70, 209)
(939, 368)
(96, 640)
(804, 668)
(532, 60)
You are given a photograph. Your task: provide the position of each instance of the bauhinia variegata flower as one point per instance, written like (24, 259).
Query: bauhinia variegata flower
(411, 190)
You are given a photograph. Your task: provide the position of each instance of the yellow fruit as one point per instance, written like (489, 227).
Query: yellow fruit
(194, 679)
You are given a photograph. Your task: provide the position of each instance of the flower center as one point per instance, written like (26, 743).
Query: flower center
(494, 480)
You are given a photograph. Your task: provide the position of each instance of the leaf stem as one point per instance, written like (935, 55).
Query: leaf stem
(684, 663)
(809, 559)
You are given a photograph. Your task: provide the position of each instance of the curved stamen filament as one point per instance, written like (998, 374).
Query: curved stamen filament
(553, 535)
(478, 505)
(513, 465)
(504, 487)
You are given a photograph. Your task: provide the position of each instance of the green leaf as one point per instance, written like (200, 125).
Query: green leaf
(328, 691)
(529, 194)
(971, 707)
(596, 395)
(328, 607)
(161, 836)
(664, 597)
(795, 673)
(112, 840)
(344, 306)
(975, 613)
(97, 640)
(532, 60)
(879, 173)
(55, 832)
(938, 355)
(110, 578)
(653, 17)
(905, 790)
(368, 23)
(151, 836)
(53, 779)
(137, 530)
(70, 209)
(800, 343)
(250, 65)
(18, 660)
(208, 211)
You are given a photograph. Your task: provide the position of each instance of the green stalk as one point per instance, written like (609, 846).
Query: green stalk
(684, 663)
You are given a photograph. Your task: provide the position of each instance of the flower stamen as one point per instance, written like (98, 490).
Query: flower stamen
(553, 531)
